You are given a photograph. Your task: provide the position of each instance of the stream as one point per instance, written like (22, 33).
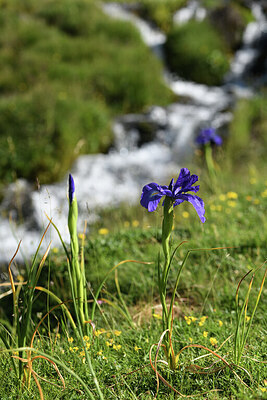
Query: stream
(107, 180)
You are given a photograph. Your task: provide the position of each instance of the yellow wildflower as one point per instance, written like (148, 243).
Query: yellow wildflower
(86, 338)
(108, 344)
(137, 348)
(117, 333)
(88, 345)
(232, 195)
(202, 320)
(75, 348)
(213, 341)
(252, 181)
(222, 197)
(190, 340)
(70, 339)
(103, 231)
(116, 347)
(256, 201)
(220, 323)
(205, 334)
(100, 352)
(157, 316)
(247, 318)
(135, 223)
(248, 198)
(82, 353)
(231, 203)
(55, 250)
(263, 389)
(264, 194)
(81, 236)
(185, 214)
(126, 224)
(188, 320)
(99, 332)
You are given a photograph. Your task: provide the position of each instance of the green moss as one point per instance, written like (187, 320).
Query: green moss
(66, 71)
(196, 52)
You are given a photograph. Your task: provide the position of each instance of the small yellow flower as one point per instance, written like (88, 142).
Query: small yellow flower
(82, 353)
(136, 348)
(264, 194)
(99, 332)
(222, 197)
(232, 195)
(58, 335)
(190, 340)
(202, 321)
(88, 345)
(252, 181)
(247, 318)
(157, 316)
(108, 344)
(86, 338)
(103, 231)
(100, 352)
(81, 236)
(135, 223)
(188, 320)
(20, 278)
(193, 319)
(75, 348)
(263, 389)
(116, 347)
(256, 201)
(55, 250)
(220, 323)
(126, 224)
(70, 339)
(117, 333)
(231, 203)
(248, 198)
(71, 349)
(213, 341)
(205, 334)
(185, 214)
(212, 207)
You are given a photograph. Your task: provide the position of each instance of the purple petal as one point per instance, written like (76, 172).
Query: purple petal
(217, 140)
(197, 203)
(151, 196)
(71, 188)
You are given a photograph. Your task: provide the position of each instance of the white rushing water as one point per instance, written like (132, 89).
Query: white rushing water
(111, 179)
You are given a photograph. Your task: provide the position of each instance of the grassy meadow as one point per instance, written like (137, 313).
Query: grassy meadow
(71, 80)
(127, 319)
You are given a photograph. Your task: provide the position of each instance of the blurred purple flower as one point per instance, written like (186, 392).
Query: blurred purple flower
(208, 135)
(71, 188)
(152, 193)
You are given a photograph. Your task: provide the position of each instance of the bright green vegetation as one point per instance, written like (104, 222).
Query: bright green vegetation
(196, 52)
(66, 71)
(236, 219)
(247, 139)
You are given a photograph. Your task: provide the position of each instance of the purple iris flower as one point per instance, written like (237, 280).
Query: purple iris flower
(178, 192)
(71, 188)
(208, 135)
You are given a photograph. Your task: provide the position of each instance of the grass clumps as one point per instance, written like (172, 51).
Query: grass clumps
(195, 51)
(247, 138)
(67, 70)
